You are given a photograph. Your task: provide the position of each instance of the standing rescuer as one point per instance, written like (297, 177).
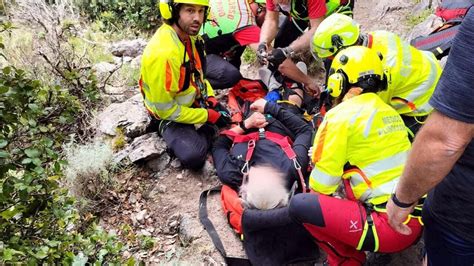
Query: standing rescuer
(412, 74)
(231, 28)
(173, 83)
(362, 143)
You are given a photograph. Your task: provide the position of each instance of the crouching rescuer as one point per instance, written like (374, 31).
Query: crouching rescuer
(175, 90)
(361, 145)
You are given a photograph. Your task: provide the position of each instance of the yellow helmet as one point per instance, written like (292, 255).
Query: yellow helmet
(166, 6)
(355, 65)
(335, 32)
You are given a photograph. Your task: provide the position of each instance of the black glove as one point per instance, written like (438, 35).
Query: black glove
(224, 119)
(220, 119)
(262, 53)
(278, 55)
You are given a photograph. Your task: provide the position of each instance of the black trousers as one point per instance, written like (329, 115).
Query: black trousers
(271, 237)
(189, 145)
(221, 73)
(289, 32)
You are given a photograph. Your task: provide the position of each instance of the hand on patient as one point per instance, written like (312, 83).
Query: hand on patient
(256, 120)
(258, 106)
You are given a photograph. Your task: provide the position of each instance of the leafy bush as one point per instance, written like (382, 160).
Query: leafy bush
(249, 56)
(143, 15)
(38, 220)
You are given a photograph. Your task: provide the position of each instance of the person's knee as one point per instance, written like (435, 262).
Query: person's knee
(220, 73)
(233, 76)
(191, 152)
(192, 159)
(306, 208)
(229, 76)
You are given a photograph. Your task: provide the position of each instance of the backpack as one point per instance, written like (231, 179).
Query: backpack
(241, 95)
(439, 41)
(453, 9)
(233, 208)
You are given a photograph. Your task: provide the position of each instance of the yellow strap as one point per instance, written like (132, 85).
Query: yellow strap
(286, 101)
(364, 235)
(307, 116)
(420, 220)
(418, 121)
(376, 239)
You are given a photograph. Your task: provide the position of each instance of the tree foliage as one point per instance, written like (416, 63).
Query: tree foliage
(38, 220)
(142, 15)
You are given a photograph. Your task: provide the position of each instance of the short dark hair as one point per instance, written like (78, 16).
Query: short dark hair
(372, 84)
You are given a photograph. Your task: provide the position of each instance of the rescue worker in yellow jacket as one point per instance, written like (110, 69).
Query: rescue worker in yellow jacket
(173, 84)
(412, 74)
(362, 145)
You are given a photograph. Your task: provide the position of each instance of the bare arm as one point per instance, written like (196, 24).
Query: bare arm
(269, 28)
(304, 40)
(436, 149)
(289, 69)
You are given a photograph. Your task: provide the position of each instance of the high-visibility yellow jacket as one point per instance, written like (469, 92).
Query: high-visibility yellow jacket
(367, 134)
(413, 74)
(163, 75)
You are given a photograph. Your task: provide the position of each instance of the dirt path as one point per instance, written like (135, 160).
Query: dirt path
(388, 15)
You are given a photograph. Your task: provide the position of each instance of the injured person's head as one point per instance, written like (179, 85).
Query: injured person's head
(264, 188)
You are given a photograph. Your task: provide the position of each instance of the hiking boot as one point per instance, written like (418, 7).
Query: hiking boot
(268, 79)
(302, 67)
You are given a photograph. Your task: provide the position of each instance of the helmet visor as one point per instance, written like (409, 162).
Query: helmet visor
(322, 52)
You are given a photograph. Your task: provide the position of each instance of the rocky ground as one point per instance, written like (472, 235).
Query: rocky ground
(159, 200)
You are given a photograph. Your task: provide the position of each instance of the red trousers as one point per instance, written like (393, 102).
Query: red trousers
(338, 225)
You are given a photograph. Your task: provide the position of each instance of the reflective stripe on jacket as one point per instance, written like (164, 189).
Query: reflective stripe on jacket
(163, 75)
(413, 74)
(369, 135)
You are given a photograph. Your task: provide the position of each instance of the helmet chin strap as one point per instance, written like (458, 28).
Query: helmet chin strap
(363, 40)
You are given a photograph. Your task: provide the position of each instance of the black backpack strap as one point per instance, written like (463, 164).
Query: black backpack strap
(211, 230)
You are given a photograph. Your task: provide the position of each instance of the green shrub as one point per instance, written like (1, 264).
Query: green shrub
(142, 15)
(39, 223)
(249, 56)
(415, 19)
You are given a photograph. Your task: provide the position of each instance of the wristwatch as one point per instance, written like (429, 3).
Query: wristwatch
(401, 204)
(242, 125)
(289, 52)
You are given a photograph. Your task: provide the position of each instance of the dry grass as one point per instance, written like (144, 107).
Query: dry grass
(89, 173)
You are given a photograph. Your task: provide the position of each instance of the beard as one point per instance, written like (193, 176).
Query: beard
(191, 29)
